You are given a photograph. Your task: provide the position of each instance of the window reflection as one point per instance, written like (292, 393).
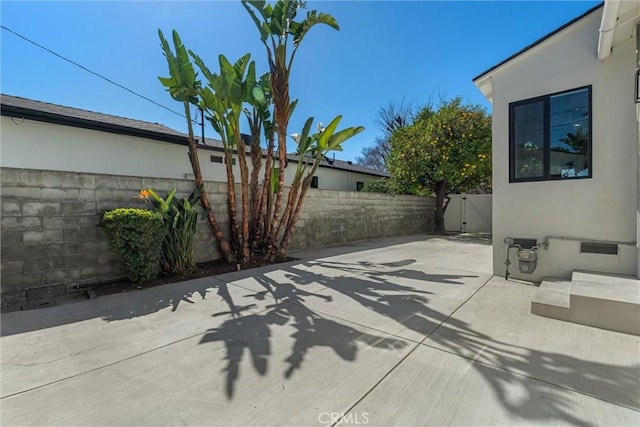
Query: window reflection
(529, 140)
(550, 136)
(569, 134)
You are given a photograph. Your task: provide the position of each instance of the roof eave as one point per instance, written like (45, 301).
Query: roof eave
(485, 85)
(43, 116)
(491, 70)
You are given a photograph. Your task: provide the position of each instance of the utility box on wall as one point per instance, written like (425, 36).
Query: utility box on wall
(469, 213)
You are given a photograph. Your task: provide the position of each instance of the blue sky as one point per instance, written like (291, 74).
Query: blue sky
(385, 52)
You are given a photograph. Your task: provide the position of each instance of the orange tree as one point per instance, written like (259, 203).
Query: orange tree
(444, 151)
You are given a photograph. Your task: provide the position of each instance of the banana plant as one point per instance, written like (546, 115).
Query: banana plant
(183, 86)
(258, 116)
(224, 98)
(315, 147)
(281, 34)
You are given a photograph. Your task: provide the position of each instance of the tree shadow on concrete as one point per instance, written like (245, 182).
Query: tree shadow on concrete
(496, 360)
(114, 307)
(378, 271)
(311, 329)
(379, 292)
(532, 383)
(529, 383)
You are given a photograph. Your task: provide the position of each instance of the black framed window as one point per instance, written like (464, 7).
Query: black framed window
(550, 137)
(359, 185)
(314, 182)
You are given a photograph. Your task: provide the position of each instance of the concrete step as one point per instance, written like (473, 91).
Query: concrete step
(552, 299)
(605, 301)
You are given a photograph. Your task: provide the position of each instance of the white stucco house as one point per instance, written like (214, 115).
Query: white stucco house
(42, 136)
(565, 146)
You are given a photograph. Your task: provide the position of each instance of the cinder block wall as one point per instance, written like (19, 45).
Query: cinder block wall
(50, 238)
(334, 217)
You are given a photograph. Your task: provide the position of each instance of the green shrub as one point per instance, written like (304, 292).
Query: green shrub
(382, 185)
(180, 218)
(135, 238)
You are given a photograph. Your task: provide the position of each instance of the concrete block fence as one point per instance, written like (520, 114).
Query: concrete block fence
(50, 240)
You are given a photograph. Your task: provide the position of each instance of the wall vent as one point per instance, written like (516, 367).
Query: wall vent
(599, 248)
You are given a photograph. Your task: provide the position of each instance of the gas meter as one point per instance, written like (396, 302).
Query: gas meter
(526, 257)
(527, 260)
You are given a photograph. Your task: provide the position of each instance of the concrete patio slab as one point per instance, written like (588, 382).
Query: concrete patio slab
(47, 345)
(284, 366)
(433, 387)
(277, 281)
(462, 253)
(409, 303)
(593, 361)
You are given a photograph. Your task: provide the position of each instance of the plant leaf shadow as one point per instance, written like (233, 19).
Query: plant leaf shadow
(530, 383)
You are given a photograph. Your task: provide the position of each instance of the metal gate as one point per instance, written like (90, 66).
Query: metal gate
(469, 213)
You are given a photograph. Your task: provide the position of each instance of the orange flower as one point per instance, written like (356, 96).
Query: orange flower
(144, 193)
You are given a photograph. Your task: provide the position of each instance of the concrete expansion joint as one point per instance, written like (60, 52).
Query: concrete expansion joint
(108, 365)
(406, 356)
(531, 377)
(199, 333)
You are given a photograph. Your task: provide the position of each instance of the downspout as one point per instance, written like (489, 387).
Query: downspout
(607, 25)
(638, 146)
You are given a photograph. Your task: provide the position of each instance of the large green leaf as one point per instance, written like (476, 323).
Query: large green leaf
(277, 21)
(249, 84)
(182, 84)
(325, 135)
(171, 59)
(313, 18)
(267, 11)
(201, 65)
(305, 143)
(241, 64)
(341, 136)
(168, 82)
(259, 6)
(265, 83)
(292, 107)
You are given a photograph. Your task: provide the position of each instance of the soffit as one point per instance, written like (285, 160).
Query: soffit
(626, 21)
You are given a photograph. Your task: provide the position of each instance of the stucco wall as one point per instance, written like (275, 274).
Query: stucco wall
(600, 208)
(50, 239)
(37, 145)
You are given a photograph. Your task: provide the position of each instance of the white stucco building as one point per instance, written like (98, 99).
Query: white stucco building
(42, 136)
(565, 145)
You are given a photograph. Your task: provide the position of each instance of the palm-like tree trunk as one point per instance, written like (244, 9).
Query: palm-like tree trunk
(264, 211)
(293, 219)
(281, 101)
(256, 164)
(225, 249)
(231, 204)
(245, 254)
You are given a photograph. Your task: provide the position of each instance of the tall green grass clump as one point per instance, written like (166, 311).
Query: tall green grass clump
(180, 218)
